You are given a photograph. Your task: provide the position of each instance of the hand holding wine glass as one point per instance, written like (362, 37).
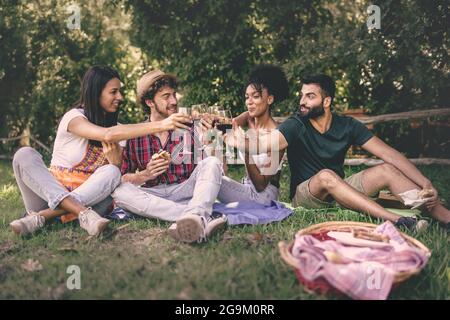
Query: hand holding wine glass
(187, 112)
(224, 120)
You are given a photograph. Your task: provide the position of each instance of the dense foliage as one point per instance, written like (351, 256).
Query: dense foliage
(211, 45)
(42, 61)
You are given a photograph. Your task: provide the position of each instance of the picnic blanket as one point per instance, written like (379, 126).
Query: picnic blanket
(248, 212)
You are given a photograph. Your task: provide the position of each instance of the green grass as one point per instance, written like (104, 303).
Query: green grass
(141, 262)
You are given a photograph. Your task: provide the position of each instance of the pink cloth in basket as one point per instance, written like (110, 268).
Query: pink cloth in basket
(365, 273)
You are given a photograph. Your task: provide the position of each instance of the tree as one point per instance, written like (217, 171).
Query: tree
(212, 45)
(43, 61)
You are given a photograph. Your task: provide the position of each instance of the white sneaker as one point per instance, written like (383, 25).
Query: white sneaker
(421, 226)
(214, 223)
(28, 224)
(92, 222)
(192, 227)
(172, 231)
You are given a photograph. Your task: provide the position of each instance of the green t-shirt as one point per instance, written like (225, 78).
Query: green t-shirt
(309, 151)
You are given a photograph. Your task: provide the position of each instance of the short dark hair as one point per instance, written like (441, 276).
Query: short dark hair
(270, 77)
(92, 85)
(325, 83)
(166, 80)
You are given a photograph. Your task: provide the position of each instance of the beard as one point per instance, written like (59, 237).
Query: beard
(163, 112)
(313, 112)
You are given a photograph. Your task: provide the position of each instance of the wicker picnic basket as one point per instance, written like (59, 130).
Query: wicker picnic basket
(319, 231)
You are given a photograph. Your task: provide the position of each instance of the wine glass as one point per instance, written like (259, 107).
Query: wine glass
(224, 120)
(198, 111)
(186, 111)
(214, 112)
(214, 109)
(224, 123)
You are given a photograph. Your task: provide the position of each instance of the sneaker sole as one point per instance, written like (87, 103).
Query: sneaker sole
(101, 226)
(173, 234)
(220, 225)
(189, 230)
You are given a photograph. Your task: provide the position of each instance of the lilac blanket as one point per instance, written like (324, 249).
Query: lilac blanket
(248, 212)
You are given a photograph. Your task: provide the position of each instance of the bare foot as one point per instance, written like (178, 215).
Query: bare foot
(440, 213)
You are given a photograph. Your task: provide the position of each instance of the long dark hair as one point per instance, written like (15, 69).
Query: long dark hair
(94, 81)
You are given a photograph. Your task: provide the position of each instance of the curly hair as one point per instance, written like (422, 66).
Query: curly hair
(167, 80)
(272, 78)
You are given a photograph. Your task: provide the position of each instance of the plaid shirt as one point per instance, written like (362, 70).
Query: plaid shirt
(180, 144)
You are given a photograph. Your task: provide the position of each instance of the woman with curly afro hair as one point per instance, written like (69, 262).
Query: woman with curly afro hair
(266, 86)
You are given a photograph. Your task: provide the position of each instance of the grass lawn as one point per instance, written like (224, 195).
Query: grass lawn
(140, 261)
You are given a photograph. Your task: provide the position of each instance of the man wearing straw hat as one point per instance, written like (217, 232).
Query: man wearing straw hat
(317, 141)
(161, 179)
